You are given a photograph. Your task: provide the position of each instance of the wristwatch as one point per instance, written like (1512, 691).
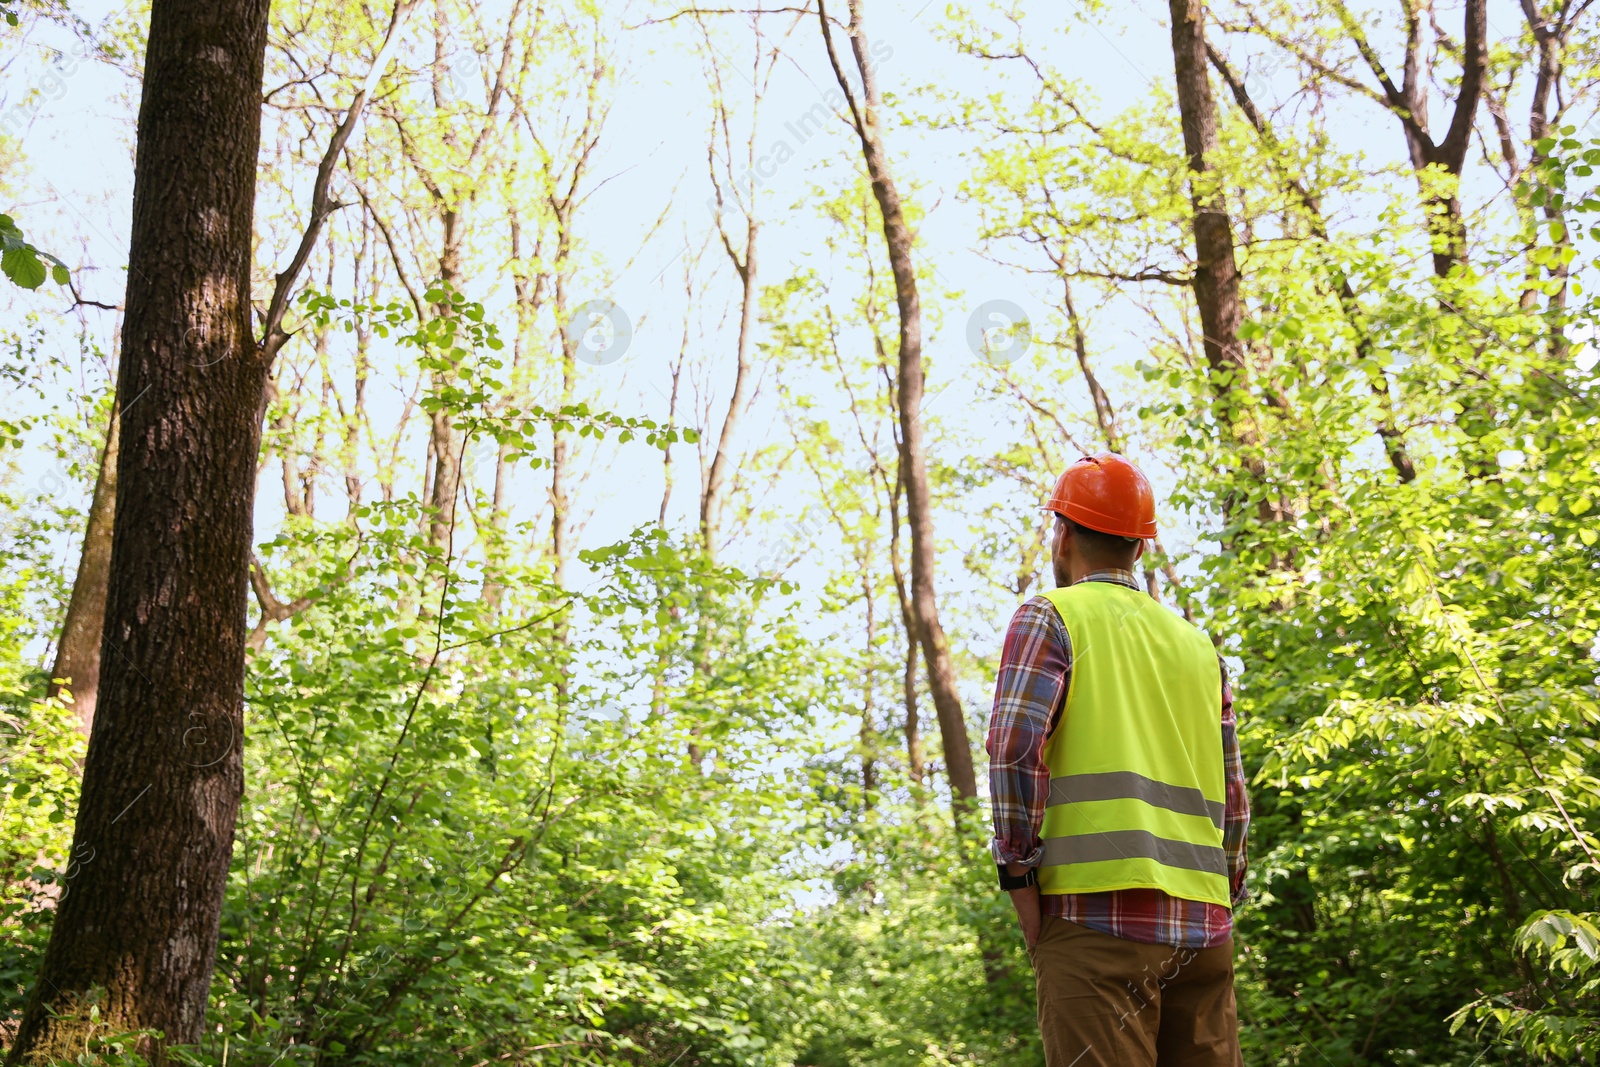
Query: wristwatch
(1012, 882)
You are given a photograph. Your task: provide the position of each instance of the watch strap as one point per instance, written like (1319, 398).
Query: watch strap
(1012, 882)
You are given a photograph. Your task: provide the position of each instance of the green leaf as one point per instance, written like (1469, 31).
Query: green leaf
(23, 266)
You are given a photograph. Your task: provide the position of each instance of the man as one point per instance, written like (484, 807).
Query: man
(1119, 796)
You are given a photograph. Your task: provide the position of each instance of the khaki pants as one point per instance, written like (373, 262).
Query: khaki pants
(1107, 1002)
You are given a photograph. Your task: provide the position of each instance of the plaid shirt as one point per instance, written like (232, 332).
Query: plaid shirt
(1035, 667)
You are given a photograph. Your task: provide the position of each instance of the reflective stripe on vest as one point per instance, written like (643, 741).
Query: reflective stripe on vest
(1137, 786)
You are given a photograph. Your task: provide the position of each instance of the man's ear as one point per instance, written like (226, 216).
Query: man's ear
(1138, 553)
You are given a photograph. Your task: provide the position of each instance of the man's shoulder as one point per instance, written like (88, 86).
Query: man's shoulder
(1035, 606)
(1036, 613)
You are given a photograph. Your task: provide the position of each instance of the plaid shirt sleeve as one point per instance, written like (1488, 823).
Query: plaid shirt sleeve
(1035, 665)
(1236, 813)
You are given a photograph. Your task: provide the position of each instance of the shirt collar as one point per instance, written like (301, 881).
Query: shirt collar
(1115, 575)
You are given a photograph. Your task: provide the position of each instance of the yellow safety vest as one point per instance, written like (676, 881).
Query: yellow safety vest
(1137, 789)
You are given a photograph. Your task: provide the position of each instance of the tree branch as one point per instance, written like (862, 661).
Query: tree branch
(1452, 151)
(322, 202)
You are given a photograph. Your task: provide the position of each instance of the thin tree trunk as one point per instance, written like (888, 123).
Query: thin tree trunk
(528, 287)
(672, 413)
(722, 461)
(77, 665)
(529, 290)
(446, 439)
(355, 420)
(427, 467)
(1105, 415)
(1551, 37)
(899, 240)
(283, 425)
(560, 451)
(137, 923)
(868, 738)
(916, 758)
(561, 546)
(916, 755)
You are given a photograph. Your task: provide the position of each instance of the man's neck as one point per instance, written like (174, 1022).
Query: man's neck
(1077, 571)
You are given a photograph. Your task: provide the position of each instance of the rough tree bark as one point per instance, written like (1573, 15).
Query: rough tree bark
(899, 240)
(1216, 273)
(1216, 270)
(136, 925)
(77, 665)
(138, 917)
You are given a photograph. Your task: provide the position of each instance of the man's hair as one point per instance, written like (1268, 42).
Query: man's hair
(1108, 548)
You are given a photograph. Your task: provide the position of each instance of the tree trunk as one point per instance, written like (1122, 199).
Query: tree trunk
(137, 922)
(1105, 415)
(672, 413)
(916, 760)
(77, 665)
(354, 421)
(561, 534)
(869, 733)
(1216, 273)
(1447, 227)
(446, 440)
(561, 440)
(717, 477)
(1552, 42)
(899, 240)
(294, 502)
(1216, 269)
(916, 756)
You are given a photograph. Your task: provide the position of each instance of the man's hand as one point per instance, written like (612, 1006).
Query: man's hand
(1026, 901)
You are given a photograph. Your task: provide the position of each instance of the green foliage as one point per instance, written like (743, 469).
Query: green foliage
(661, 815)
(459, 343)
(899, 949)
(41, 745)
(21, 262)
(1414, 660)
(1419, 687)
(1564, 1028)
(454, 849)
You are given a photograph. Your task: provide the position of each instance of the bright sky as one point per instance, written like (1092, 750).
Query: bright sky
(72, 197)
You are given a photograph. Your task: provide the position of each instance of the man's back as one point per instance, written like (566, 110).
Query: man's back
(1119, 798)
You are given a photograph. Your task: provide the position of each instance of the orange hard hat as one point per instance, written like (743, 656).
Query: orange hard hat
(1107, 493)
